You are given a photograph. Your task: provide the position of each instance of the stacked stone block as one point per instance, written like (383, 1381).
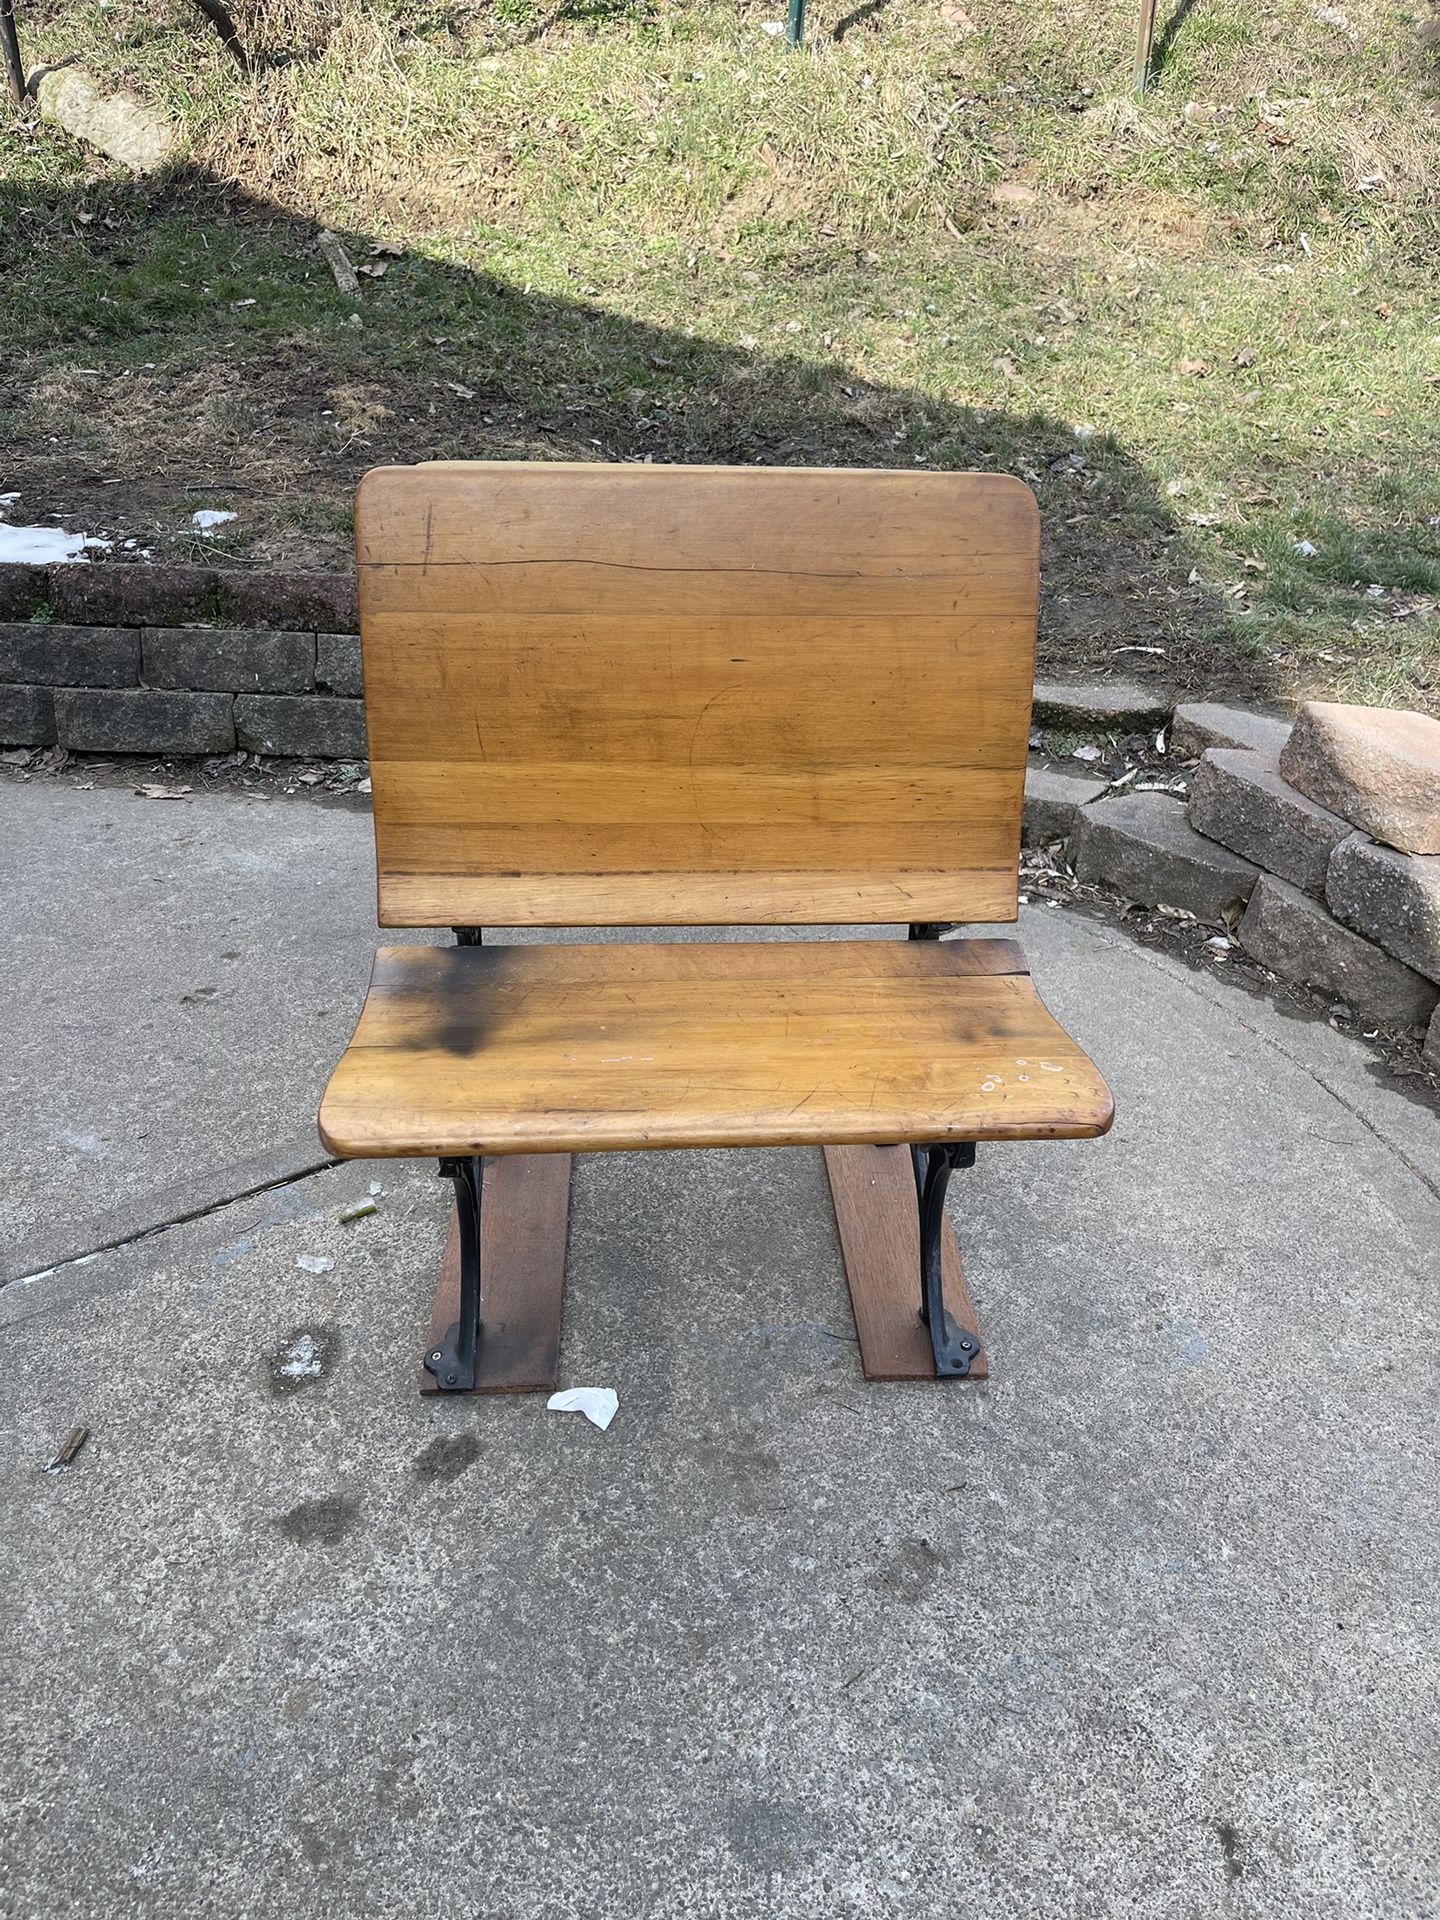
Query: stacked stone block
(1354, 913)
(177, 660)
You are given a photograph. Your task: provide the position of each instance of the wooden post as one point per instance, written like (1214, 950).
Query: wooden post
(1144, 43)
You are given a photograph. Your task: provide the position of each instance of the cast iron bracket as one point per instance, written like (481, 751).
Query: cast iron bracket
(954, 1347)
(453, 1361)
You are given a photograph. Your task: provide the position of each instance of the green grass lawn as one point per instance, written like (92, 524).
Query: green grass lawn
(1204, 326)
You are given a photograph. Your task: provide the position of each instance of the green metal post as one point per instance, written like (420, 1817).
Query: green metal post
(795, 23)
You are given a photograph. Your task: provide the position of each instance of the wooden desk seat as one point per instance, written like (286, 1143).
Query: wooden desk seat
(525, 1049)
(687, 696)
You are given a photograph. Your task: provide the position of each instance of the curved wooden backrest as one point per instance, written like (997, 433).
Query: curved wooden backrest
(611, 695)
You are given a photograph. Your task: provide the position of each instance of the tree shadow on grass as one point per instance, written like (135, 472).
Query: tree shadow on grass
(184, 345)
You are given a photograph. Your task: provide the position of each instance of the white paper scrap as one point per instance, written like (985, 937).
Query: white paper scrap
(315, 1263)
(598, 1404)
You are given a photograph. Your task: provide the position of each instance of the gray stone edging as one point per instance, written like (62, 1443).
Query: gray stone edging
(181, 690)
(1238, 856)
(132, 658)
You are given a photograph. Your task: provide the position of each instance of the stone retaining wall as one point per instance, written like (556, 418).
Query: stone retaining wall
(176, 660)
(1297, 888)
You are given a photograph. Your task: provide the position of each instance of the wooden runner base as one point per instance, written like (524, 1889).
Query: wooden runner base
(879, 1220)
(524, 1216)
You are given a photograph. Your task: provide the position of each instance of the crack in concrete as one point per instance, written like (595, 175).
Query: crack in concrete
(146, 1232)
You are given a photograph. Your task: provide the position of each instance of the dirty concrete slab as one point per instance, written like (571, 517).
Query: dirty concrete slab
(178, 977)
(1144, 1626)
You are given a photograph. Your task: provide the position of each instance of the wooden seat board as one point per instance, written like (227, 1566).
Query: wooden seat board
(557, 1048)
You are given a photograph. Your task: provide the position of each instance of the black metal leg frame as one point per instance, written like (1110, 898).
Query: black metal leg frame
(453, 1361)
(954, 1349)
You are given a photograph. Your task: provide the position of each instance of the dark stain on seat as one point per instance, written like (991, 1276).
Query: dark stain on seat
(454, 1003)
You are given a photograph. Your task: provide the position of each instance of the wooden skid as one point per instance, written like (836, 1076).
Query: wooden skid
(524, 1215)
(875, 1209)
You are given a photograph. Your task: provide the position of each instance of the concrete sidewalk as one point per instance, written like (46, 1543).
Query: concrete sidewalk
(1145, 1626)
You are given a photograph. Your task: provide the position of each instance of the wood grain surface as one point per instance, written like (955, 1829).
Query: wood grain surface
(670, 695)
(499, 1050)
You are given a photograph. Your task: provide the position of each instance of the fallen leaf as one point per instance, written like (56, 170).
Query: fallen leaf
(375, 269)
(464, 393)
(163, 793)
(1193, 369)
(1243, 357)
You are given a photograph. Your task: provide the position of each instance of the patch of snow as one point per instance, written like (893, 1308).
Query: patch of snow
(44, 546)
(209, 517)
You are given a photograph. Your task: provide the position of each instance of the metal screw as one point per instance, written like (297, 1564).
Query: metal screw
(437, 1356)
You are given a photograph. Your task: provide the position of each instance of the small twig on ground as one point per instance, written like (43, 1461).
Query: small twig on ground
(67, 1449)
